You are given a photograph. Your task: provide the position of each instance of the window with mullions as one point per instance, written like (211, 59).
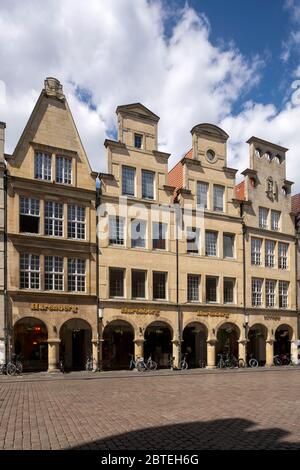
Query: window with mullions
(76, 222)
(116, 230)
(270, 293)
(54, 218)
(54, 273)
(211, 243)
(256, 292)
(76, 275)
(128, 181)
(219, 198)
(116, 282)
(283, 294)
(42, 166)
(202, 192)
(229, 290)
(256, 251)
(269, 253)
(263, 217)
(283, 255)
(147, 184)
(29, 271)
(192, 240)
(159, 285)
(275, 218)
(29, 215)
(138, 141)
(193, 282)
(159, 235)
(63, 170)
(138, 284)
(138, 233)
(211, 289)
(228, 245)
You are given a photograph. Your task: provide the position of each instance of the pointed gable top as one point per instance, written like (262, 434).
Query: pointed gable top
(137, 109)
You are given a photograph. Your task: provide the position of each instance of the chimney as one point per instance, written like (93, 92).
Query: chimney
(2, 139)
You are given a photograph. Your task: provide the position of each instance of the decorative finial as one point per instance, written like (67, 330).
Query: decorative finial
(54, 88)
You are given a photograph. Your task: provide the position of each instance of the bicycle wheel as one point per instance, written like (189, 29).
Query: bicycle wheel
(241, 363)
(19, 367)
(184, 365)
(152, 365)
(202, 363)
(11, 369)
(140, 367)
(277, 361)
(253, 363)
(227, 363)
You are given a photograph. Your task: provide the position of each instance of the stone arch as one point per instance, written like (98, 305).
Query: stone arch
(228, 335)
(284, 334)
(256, 346)
(31, 343)
(75, 343)
(158, 341)
(118, 344)
(130, 321)
(194, 343)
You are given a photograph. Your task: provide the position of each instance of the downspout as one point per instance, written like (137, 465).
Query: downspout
(244, 230)
(179, 323)
(99, 318)
(7, 326)
(297, 225)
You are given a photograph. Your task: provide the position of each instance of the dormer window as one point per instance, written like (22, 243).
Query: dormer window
(138, 141)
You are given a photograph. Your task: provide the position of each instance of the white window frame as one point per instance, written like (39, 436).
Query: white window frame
(202, 196)
(275, 220)
(76, 222)
(42, 166)
(283, 294)
(54, 221)
(256, 289)
(132, 170)
(256, 244)
(263, 217)
(270, 286)
(77, 276)
(66, 176)
(211, 245)
(32, 274)
(54, 270)
(193, 285)
(218, 197)
(270, 253)
(283, 249)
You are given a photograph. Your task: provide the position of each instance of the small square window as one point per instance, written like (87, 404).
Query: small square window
(138, 141)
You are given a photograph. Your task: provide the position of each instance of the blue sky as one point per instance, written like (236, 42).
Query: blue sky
(229, 62)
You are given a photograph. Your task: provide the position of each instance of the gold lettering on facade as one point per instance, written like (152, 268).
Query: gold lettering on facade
(142, 311)
(213, 314)
(272, 317)
(54, 308)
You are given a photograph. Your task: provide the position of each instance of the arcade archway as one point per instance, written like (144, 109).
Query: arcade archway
(195, 344)
(256, 345)
(30, 343)
(158, 343)
(118, 345)
(75, 345)
(227, 340)
(283, 337)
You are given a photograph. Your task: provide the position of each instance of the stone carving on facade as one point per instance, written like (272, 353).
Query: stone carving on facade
(53, 88)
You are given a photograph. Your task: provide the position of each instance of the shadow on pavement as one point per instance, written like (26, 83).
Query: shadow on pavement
(218, 434)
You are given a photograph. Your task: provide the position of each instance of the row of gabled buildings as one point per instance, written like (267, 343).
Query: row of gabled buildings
(142, 260)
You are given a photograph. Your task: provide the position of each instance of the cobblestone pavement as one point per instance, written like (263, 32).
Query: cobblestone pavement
(218, 410)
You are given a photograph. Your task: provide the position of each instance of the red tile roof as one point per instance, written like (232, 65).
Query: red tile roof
(296, 204)
(175, 175)
(240, 191)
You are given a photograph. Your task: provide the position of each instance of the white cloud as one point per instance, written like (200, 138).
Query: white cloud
(117, 50)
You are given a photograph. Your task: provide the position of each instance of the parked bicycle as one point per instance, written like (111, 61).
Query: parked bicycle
(229, 361)
(141, 365)
(90, 364)
(171, 362)
(13, 367)
(61, 365)
(183, 363)
(282, 360)
(202, 363)
(252, 361)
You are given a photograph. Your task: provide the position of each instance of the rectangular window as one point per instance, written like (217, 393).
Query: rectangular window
(116, 282)
(76, 275)
(256, 292)
(256, 251)
(211, 289)
(193, 282)
(159, 235)
(283, 255)
(116, 230)
(147, 184)
(138, 141)
(138, 233)
(283, 294)
(159, 285)
(211, 243)
(263, 217)
(29, 271)
(76, 222)
(138, 284)
(275, 218)
(192, 240)
(218, 198)
(54, 218)
(29, 215)
(229, 290)
(42, 166)
(63, 170)
(269, 253)
(228, 245)
(54, 273)
(128, 181)
(270, 293)
(202, 192)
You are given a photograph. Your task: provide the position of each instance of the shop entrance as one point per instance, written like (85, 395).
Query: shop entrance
(75, 345)
(30, 343)
(256, 345)
(118, 345)
(283, 337)
(194, 344)
(227, 340)
(158, 343)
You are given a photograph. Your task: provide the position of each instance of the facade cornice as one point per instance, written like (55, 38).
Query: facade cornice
(114, 144)
(269, 233)
(159, 154)
(42, 296)
(51, 187)
(40, 242)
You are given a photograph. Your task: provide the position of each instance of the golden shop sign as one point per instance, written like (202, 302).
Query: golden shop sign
(213, 314)
(54, 308)
(272, 317)
(140, 311)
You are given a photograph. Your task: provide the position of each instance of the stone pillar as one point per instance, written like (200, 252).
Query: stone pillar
(95, 353)
(294, 352)
(242, 350)
(138, 348)
(53, 354)
(176, 354)
(211, 354)
(269, 352)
